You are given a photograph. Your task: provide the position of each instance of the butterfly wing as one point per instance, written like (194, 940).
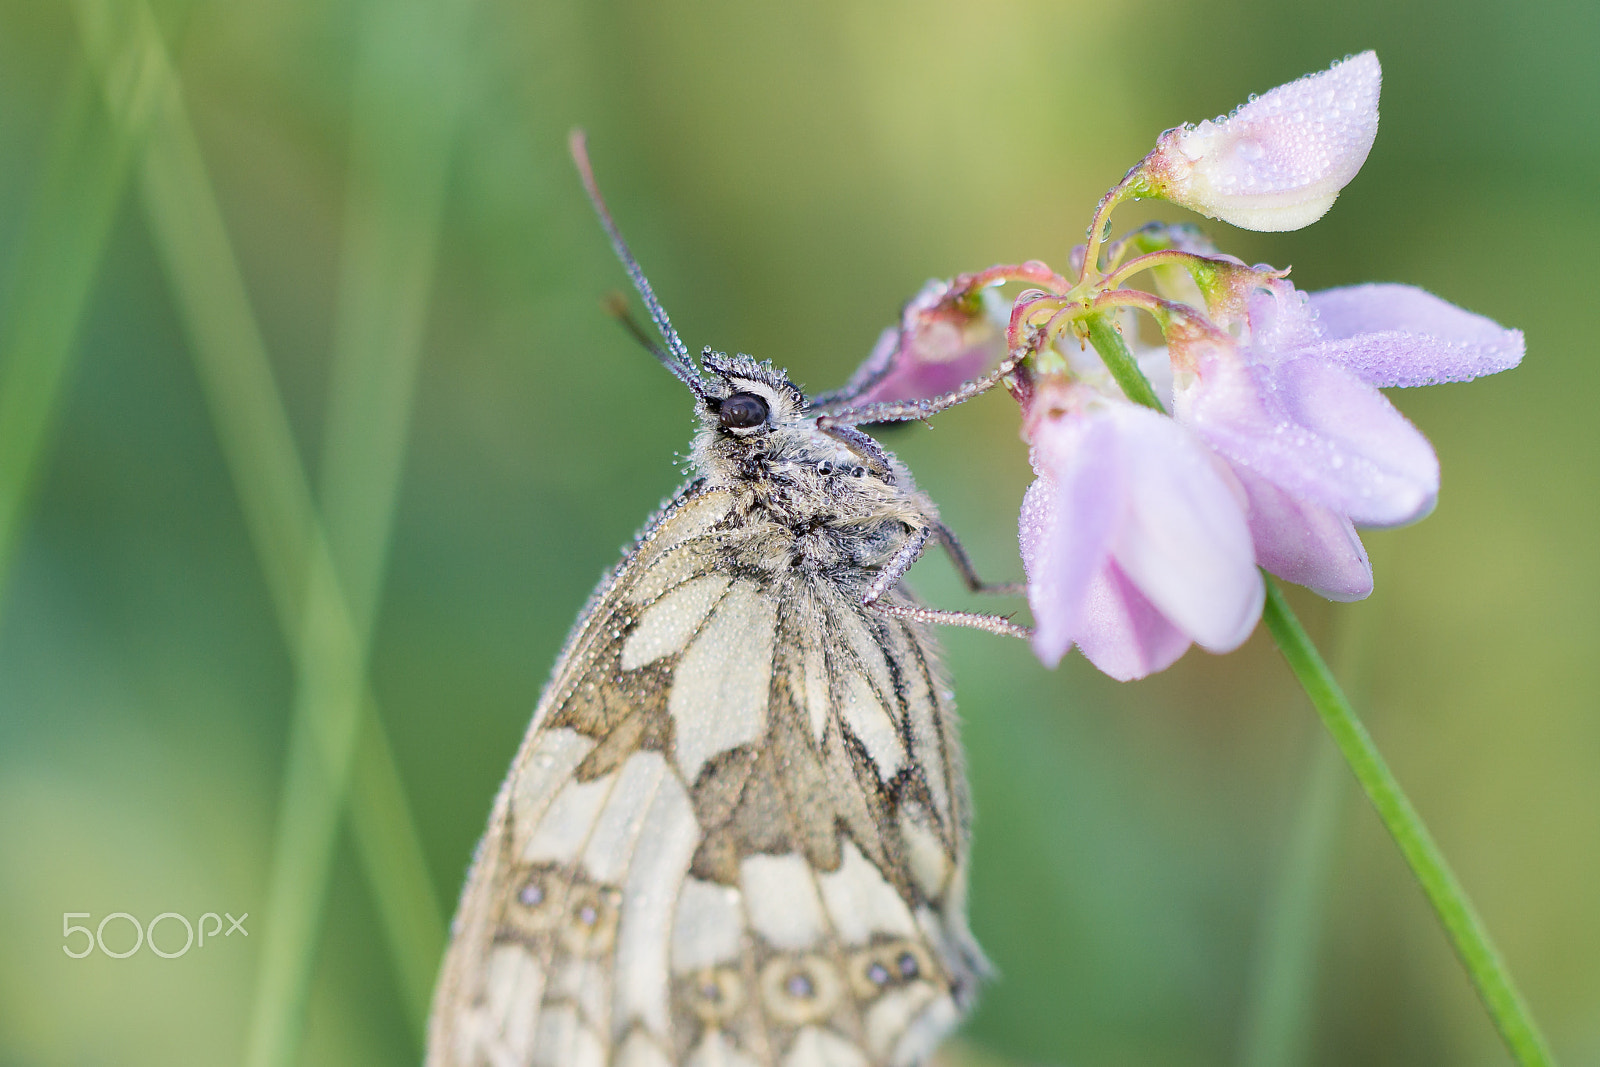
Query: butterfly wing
(734, 835)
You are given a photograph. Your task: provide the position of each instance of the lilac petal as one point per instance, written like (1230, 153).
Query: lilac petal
(1279, 161)
(878, 365)
(1124, 635)
(1305, 543)
(1185, 542)
(1317, 431)
(1281, 322)
(1399, 335)
(1380, 468)
(1068, 517)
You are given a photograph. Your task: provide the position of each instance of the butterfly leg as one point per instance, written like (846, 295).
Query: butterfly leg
(913, 410)
(969, 574)
(896, 569)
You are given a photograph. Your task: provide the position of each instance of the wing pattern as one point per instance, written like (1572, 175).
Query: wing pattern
(735, 835)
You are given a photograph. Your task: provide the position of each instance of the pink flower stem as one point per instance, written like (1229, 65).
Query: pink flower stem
(1164, 257)
(1033, 271)
(1461, 922)
(1132, 184)
(1097, 225)
(1025, 309)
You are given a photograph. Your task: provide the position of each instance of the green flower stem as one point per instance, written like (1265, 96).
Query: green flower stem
(1107, 341)
(1461, 922)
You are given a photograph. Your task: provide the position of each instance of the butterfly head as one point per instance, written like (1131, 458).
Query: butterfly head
(759, 431)
(744, 399)
(750, 413)
(753, 419)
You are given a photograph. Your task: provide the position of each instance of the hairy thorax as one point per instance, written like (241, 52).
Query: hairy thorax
(810, 517)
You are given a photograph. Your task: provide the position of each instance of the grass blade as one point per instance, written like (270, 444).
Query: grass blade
(57, 260)
(395, 195)
(327, 641)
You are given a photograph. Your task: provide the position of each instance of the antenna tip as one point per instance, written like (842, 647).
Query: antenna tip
(578, 146)
(615, 304)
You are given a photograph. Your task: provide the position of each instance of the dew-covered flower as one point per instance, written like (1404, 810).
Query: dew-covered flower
(940, 342)
(1279, 161)
(1293, 405)
(1255, 437)
(1133, 536)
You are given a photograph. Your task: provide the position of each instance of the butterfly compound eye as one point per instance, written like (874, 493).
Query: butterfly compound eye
(742, 411)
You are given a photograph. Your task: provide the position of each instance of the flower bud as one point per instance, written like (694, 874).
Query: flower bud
(940, 343)
(1279, 161)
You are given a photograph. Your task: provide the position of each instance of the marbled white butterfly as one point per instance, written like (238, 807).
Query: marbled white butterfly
(736, 831)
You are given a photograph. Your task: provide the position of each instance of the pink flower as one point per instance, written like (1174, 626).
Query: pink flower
(1294, 407)
(1145, 532)
(1133, 537)
(939, 344)
(1279, 161)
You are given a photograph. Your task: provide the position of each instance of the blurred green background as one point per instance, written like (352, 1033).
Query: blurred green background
(314, 438)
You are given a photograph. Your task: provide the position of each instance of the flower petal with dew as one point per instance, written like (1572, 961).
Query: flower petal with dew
(1309, 426)
(1294, 406)
(1133, 537)
(1399, 335)
(1279, 161)
(1305, 543)
(939, 344)
(1378, 468)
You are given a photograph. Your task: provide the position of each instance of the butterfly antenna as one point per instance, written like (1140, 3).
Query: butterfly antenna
(678, 361)
(616, 305)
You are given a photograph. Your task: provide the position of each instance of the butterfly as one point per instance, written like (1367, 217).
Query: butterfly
(736, 832)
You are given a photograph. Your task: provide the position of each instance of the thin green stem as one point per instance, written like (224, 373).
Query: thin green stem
(1461, 922)
(1278, 1015)
(1107, 341)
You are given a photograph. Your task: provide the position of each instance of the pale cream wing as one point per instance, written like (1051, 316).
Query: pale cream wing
(735, 835)
(533, 940)
(823, 919)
